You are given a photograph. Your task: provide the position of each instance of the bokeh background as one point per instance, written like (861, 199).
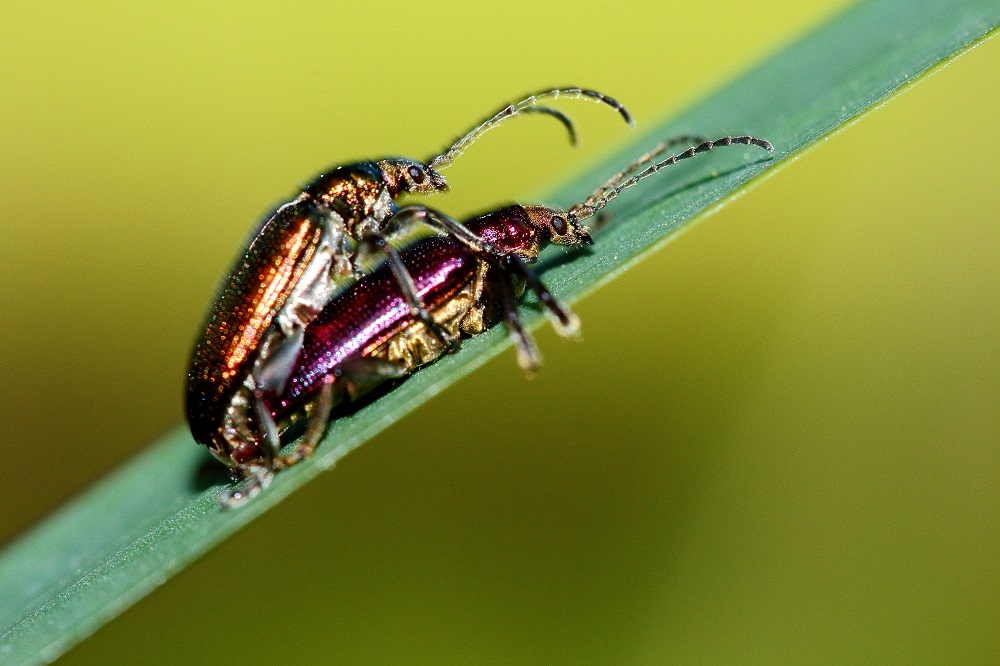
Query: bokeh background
(791, 455)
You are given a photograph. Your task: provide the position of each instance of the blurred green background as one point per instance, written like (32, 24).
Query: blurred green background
(791, 455)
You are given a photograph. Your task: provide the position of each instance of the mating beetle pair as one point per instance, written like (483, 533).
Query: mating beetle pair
(289, 338)
(292, 268)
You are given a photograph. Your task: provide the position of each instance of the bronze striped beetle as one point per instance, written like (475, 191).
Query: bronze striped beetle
(467, 279)
(291, 269)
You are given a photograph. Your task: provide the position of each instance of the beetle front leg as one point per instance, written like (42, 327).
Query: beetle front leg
(566, 323)
(442, 223)
(528, 356)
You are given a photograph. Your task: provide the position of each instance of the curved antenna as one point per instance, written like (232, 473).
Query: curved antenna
(446, 158)
(607, 192)
(558, 115)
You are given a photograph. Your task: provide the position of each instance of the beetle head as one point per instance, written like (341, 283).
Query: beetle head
(405, 175)
(558, 226)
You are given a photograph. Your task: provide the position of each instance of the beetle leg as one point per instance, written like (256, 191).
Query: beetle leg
(363, 373)
(357, 375)
(273, 372)
(336, 235)
(314, 431)
(566, 323)
(405, 281)
(268, 428)
(342, 265)
(444, 224)
(528, 356)
(256, 479)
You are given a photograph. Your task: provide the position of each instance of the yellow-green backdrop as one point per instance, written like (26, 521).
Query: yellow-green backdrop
(790, 455)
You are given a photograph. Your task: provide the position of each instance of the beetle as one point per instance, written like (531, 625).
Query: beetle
(470, 277)
(294, 263)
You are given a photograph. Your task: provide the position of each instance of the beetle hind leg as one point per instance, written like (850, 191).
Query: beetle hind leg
(255, 479)
(256, 476)
(355, 377)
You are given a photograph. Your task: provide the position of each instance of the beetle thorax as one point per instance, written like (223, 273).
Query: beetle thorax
(353, 191)
(508, 229)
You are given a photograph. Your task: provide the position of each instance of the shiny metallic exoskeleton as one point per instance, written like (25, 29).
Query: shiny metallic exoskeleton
(293, 266)
(467, 278)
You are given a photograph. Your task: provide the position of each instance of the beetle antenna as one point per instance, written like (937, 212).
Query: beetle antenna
(648, 158)
(603, 195)
(446, 158)
(558, 115)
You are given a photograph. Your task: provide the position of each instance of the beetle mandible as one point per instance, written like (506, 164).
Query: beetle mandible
(293, 264)
(469, 278)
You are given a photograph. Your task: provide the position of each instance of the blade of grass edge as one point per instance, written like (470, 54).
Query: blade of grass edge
(133, 530)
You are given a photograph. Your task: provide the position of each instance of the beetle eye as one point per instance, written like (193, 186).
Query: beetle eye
(559, 226)
(416, 174)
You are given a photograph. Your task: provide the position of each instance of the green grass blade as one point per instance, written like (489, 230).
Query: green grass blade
(116, 542)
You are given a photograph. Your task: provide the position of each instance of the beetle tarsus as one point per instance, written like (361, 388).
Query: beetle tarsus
(258, 479)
